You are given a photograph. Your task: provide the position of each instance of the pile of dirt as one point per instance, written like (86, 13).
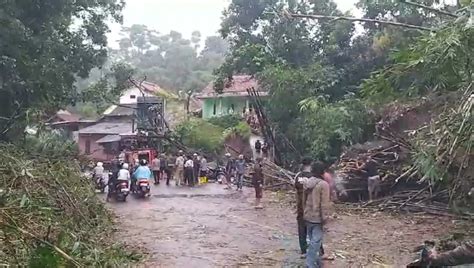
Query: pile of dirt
(391, 149)
(50, 215)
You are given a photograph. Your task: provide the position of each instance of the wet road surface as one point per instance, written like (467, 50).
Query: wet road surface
(208, 226)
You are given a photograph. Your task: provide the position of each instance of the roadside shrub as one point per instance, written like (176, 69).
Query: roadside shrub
(242, 129)
(226, 121)
(200, 134)
(49, 214)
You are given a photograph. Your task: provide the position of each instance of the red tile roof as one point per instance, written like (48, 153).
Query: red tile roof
(237, 87)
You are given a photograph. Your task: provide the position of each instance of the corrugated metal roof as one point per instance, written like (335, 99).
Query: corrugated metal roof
(121, 110)
(109, 138)
(107, 128)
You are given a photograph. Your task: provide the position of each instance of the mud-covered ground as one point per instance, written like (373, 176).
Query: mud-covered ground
(211, 227)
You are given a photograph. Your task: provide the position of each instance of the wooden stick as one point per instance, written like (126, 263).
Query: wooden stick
(58, 250)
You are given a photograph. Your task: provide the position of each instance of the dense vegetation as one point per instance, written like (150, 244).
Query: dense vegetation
(173, 62)
(328, 81)
(49, 214)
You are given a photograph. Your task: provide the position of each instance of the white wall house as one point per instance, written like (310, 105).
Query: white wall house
(131, 95)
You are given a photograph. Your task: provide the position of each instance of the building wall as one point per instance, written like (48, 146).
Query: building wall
(223, 106)
(130, 96)
(97, 151)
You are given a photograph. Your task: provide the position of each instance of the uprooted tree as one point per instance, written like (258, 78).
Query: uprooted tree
(327, 85)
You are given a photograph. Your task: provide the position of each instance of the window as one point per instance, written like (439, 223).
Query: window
(215, 109)
(133, 97)
(88, 147)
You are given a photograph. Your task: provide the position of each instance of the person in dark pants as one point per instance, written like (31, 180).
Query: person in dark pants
(169, 170)
(189, 171)
(163, 165)
(155, 167)
(197, 168)
(305, 172)
(257, 181)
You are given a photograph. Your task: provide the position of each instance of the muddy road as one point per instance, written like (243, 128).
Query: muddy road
(212, 227)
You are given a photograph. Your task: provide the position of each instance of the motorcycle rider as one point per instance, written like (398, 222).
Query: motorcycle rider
(112, 183)
(124, 174)
(142, 172)
(98, 172)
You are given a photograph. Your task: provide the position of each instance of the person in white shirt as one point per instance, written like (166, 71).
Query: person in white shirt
(189, 171)
(179, 165)
(124, 174)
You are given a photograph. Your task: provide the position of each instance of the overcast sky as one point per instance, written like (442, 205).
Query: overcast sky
(184, 16)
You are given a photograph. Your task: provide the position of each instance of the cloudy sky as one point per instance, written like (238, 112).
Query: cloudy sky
(184, 16)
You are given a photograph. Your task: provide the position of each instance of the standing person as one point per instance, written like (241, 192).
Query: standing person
(305, 172)
(197, 168)
(179, 166)
(265, 149)
(317, 202)
(258, 147)
(155, 167)
(229, 170)
(204, 169)
(169, 169)
(240, 167)
(257, 181)
(369, 168)
(163, 165)
(189, 171)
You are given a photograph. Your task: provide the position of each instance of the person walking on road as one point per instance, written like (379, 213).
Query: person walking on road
(179, 166)
(229, 170)
(257, 181)
(305, 172)
(316, 198)
(189, 171)
(155, 167)
(240, 167)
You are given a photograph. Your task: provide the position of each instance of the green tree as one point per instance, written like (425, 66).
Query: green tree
(45, 45)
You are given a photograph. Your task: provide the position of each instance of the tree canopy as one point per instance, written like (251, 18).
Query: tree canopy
(321, 64)
(45, 46)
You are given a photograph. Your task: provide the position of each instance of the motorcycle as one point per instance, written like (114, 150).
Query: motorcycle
(100, 183)
(217, 175)
(120, 192)
(142, 189)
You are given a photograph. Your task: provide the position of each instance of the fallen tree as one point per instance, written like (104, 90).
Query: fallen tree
(50, 215)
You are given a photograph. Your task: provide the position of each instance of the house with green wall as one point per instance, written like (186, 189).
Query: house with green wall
(234, 99)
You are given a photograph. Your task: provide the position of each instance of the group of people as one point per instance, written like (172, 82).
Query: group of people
(261, 148)
(314, 190)
(185, 169)
(121, 172)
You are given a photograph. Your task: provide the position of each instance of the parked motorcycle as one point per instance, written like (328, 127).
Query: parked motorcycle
(142, 189)
(217, 174)
(120, 192)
